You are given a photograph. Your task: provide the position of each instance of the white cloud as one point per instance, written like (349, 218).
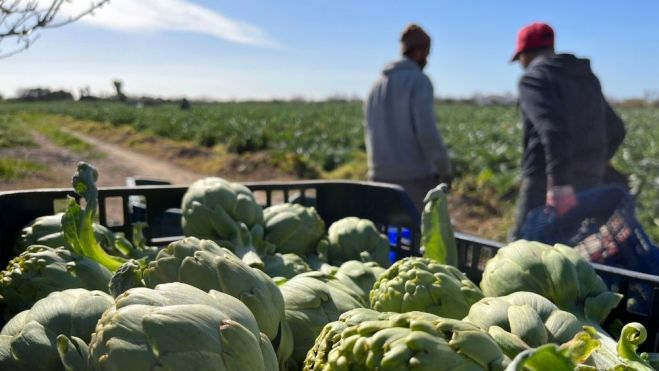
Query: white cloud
(170, 15)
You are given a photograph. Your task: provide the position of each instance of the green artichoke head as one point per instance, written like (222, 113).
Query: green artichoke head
(557, 272)
(421, 284)
(353, 238)
(225, 201)
(293, 228)
(29, 340)
(179, 327)
(207, 266)
(523, 320)
(284, 265)
(215, 209)
(370, 340)
(345, 284)
(311, 303)
(359, 277)
(329, 336)
(41, 270)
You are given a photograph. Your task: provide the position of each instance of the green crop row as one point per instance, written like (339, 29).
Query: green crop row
(312, 139)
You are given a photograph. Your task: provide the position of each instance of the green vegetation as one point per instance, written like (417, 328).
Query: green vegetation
(325, 139)
(14, 168)
(17, 131)
(12, 134)
(304, 138)
(639, 157)
(53, 131)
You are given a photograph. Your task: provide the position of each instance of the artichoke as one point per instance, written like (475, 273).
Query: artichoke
(47, 231)
(220, 195)
(330, 335)
(293, 228)
(353, 238)
(284, 265)
(215, 209)
(41, 270)
(368, 340)
(566, 357)
(523, 320)
(310, 305)
(347, 285)
(207, 266)
(29, 340)
(177, 327)
(575, 354)
(420, 284)
(359, 277)
(558, 273)
(318, 261)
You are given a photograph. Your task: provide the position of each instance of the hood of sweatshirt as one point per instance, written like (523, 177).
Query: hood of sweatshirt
(566, 64)
(400, 65)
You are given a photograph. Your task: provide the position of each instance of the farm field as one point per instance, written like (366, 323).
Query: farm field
(261, 140)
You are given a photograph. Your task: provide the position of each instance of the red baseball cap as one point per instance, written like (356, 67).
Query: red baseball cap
(534, 36)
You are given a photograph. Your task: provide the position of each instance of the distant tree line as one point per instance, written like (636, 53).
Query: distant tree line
(40, 94)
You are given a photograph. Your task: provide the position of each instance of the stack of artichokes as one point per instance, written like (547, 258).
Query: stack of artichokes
(272, 289)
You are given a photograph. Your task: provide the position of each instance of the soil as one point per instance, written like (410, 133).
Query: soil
(119, 162)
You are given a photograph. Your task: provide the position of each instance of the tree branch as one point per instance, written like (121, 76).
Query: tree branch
(19, 19)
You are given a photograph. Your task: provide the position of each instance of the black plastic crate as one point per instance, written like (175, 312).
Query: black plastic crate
(388, 206)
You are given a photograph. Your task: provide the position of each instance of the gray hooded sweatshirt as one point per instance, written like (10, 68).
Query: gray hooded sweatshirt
(402, 139)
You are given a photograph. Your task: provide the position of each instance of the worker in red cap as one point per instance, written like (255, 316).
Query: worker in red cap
(570, 131)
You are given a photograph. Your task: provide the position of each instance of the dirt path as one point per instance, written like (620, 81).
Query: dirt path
(124, 162)
(114, 164)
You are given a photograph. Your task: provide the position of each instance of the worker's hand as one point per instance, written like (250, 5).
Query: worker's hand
(561, 198)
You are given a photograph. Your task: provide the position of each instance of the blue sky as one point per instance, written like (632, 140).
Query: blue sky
(280, 49)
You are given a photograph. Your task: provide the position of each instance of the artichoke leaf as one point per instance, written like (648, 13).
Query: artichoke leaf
(437, 238)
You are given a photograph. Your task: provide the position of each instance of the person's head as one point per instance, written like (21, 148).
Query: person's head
(415, 44)
(533, 40)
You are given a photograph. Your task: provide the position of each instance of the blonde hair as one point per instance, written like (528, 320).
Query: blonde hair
(414, 37)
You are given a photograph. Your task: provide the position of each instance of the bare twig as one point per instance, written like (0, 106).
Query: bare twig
(19, 19)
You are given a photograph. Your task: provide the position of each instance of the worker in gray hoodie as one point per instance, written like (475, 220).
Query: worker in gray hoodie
(403, 143)
(570, 131)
